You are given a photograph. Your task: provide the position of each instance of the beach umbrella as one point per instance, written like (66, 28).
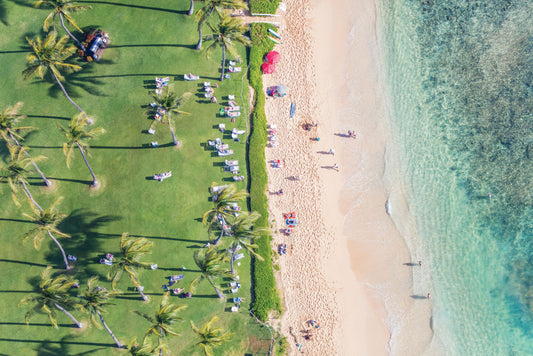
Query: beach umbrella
(268, 68)
(273, 57)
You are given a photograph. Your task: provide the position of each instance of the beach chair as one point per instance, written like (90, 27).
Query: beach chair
(106, 262)
(154, 144)
(224, 153)
(238, 132)
(232, 69)
(218, 141)
(235, 285)
(217, 189)
(234, 309)
(207, 84)
(231, 163)
(232, 63)
(238, 256)
(231, 97)
(222, 127)
(151, 131)
(190, 77)
(234, 290)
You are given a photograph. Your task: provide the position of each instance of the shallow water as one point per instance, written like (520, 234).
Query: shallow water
(460, 108)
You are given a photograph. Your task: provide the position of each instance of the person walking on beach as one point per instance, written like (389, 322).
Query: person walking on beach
(332, 151)
(336, 167)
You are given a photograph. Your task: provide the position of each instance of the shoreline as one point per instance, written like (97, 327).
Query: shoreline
(327, 274)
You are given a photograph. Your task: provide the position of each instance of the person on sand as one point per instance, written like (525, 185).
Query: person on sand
(429, 295)
(335, 166)
(331, 151)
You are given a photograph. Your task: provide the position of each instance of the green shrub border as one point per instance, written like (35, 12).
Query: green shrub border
(263, 6)
(265, 293)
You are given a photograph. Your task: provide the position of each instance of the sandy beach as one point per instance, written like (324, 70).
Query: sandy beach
(345, 245)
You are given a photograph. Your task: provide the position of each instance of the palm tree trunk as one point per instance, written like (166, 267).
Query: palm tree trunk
(217, 241)
(46, 181)
(223, 62)
(61, 249)
(139, 289)
(191, 8)
(30, 196)
(65, 93)
(176, 142)
(219, 293)
(95, 181)
(233, 260)
(70, 34)
(119, 344)
(80, 325)
(200, 24)
(199, 44)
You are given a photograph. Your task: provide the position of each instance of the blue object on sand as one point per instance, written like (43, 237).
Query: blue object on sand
(293, 109)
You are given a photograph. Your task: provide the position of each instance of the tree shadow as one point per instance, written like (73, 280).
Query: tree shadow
(153, 237)
(62, 342)
(49, 117)
(133, 6)
(86, 182)
(153, 45)
(83, 225)
(23, 263)
(72, 325)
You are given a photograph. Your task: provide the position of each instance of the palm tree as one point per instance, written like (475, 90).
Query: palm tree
(49, 56)
(210, 262)
(94, 299)
(162, 321)
(229, 31)
(244, 233)
(16, 173)
(132, 249)
(46, 221)
(168, 101)
(8, 130)
(210, 336)
(63, 9)
(54, 293)
(77, 135)
(144, 349)
(222, 203)
(218, 6)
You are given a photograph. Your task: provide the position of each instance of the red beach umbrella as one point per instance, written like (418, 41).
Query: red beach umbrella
(268, 68)
(273, 57)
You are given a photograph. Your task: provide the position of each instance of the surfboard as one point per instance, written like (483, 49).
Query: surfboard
(274, 40)
(274, 33)
(293, 109)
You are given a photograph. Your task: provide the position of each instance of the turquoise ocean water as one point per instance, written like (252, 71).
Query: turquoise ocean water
(459, 84)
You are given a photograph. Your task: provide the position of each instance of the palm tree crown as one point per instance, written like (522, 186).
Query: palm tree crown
(94, 299)
(132, 250)
(229, 31)
(9, 131)
(210, 336)
(222, 202)
(61, 9)
(16, 173)
(50, 56)
(210, 262)
(77, 135)
(53, 293)
(218, 6)
(168, 101)
(163, 320)
(9, 118)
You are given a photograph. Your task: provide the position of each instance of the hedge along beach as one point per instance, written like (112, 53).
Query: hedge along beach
(345, 263)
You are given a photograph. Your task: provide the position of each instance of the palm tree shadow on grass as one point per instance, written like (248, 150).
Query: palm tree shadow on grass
(83, 226)
(32, 264)
(133, 6)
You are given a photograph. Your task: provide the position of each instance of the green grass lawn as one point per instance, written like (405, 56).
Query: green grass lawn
(148, 38)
